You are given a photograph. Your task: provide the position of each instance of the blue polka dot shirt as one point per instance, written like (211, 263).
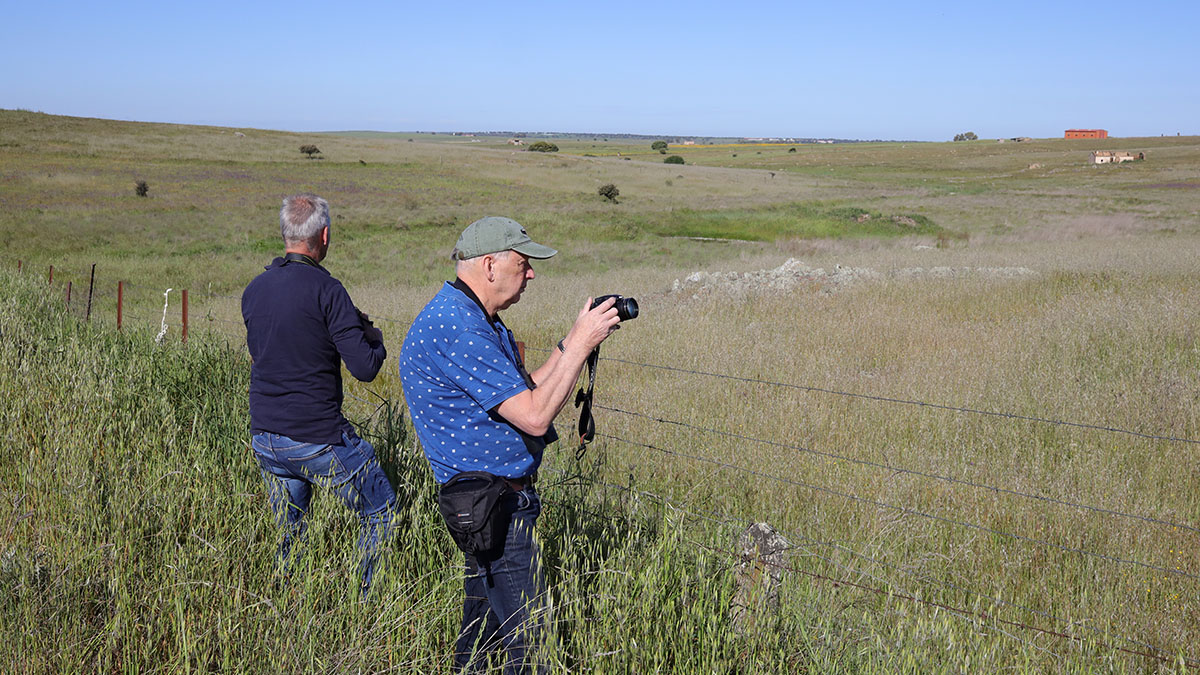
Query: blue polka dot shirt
(457, 367)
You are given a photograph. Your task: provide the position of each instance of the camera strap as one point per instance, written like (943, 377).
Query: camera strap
(583, 401)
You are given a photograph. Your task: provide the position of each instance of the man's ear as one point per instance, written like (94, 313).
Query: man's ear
(325, 236)
(488, 264)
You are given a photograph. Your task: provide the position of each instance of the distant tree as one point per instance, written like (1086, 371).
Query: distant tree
(658, 145)
(543, 146)
(791, 149)
(310, 150)
(142, 188)
(673, 159)
(968, 136)
(609, 192)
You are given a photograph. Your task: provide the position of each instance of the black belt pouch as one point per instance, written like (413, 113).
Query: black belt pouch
(470, 504)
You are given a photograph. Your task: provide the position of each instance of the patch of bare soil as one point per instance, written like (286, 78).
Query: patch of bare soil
(794, 274)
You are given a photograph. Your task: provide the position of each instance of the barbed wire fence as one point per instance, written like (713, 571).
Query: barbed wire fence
(980, 618)
(87, 304)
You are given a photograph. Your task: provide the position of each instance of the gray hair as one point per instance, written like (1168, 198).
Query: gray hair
(302, 218)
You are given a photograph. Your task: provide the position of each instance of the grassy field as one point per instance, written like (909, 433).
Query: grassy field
(1008, 278)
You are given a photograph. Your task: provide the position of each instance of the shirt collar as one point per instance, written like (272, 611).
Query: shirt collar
(466, 290)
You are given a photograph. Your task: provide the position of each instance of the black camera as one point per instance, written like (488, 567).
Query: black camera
(627, 308)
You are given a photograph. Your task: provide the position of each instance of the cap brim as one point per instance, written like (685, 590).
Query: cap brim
(534, 250)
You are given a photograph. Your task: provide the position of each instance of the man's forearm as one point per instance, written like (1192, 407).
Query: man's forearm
(534, 410)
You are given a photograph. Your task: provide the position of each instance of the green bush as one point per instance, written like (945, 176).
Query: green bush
(674, 159)
(543, 146)
(609, 192)
(658, 145)
(310, 150)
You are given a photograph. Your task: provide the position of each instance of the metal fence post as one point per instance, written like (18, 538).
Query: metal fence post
(120, 302)
(91, 285)
(185, 315)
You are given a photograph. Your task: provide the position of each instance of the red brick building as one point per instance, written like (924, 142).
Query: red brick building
(1086, 133)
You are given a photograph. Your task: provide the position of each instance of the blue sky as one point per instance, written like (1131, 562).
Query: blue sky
(891, 70)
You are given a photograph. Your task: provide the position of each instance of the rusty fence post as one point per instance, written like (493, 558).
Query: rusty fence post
(91, 285)
(120, 302)
(185, 315)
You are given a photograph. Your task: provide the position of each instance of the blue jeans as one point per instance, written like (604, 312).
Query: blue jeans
(351, 470)
(504, 594)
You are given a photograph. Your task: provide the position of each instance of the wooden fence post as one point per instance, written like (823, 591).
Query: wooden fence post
(18, 267)
(68, 296)
(120, 302)
(91, 284)
(50, 279)
(185, 315)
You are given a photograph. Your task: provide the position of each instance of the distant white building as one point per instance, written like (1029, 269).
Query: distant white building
(1112, 157)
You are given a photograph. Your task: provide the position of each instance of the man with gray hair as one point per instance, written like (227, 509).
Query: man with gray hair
(300, 327)
(484, 421)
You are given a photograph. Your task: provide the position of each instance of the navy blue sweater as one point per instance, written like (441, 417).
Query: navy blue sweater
(300, 326)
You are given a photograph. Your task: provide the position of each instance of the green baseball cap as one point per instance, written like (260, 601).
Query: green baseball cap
(492, 234)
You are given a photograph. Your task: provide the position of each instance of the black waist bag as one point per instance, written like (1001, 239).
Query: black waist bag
(470, 504)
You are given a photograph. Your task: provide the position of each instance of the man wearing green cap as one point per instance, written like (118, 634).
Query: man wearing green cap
(476, 408)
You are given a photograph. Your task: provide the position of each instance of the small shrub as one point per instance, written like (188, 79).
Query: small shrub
(659, 145)
(662, 151)
(543, 146)
(609, 192)
(791, 149)
(310, 150)
(673, 159)
(142, 188)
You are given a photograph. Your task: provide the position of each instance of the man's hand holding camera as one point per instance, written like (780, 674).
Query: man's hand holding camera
(370, 331)
(593, 325)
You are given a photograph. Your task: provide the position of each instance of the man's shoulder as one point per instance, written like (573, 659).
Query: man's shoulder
(448, 310)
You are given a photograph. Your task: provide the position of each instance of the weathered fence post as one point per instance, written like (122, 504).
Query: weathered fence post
(18, 267)
(758, 576)
(120, 302)
(68, 296)
(50, 279)
(91, 285)
(185, 315)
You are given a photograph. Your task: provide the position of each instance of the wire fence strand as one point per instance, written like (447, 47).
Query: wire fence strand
(725, 519)
(911, 511)
(901, 401)
(903, 470)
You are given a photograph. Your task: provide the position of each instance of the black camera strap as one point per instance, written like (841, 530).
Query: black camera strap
(583, 401)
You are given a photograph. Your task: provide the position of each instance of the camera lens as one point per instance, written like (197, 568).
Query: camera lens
(627, 308)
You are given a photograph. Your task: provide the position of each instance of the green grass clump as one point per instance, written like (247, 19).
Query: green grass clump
(795, 221)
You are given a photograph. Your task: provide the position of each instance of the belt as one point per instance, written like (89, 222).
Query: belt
(521, 484)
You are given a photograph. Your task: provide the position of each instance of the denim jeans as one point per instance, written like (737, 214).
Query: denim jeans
(504, 594)
(351, 470)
